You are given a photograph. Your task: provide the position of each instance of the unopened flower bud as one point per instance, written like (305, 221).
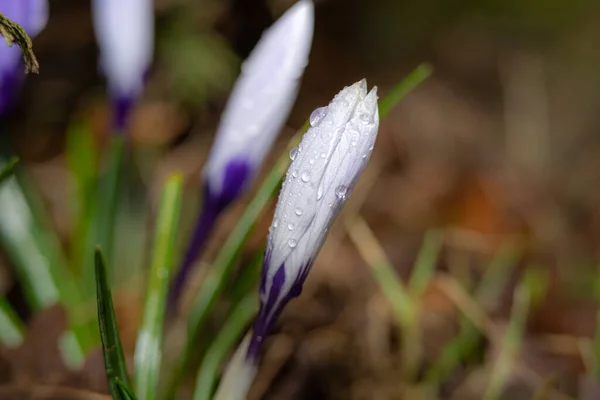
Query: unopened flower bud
(324, 170)
(125, 35)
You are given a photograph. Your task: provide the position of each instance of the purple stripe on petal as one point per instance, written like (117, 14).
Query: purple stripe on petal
(267, 315)
(236, 176)
(271, 309)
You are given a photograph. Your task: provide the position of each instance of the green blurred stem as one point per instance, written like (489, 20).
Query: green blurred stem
(11, 326)
(233, 329)
(148, 351)
(35, 252)
(487, 294)
(527, 294)
(426, 263)
(398, 92)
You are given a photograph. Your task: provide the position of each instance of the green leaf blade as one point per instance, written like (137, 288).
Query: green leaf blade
(114, 359)
(148, 350)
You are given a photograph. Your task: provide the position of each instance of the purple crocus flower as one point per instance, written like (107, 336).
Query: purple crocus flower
(258, 107)
(125, 35)
(32, 15)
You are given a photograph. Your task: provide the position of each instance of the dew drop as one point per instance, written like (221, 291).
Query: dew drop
(293, 153)
(292, 243)
(275, 223)
(340, 191)
(305, 177)
(364, 117)
(320, 192)
(298, 211)
(312, 161)
(323, 155)
(364, 156)
(317, 116)
(295, 173)
(345, 104)
(354, 136)
(291, 226)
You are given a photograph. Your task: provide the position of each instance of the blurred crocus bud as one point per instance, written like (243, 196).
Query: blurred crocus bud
(32, 15)
(259, 104)
(324, 170)
(125, 35)
(258, 107)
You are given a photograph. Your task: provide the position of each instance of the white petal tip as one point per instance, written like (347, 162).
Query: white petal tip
(363, 85)
(302, 9)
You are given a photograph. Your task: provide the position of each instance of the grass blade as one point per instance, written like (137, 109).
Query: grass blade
(398, 92)
(526, 296)
(114, 360)
(7, 169)
(148, 349)
(487, 293)
(426, 262)
(11, 326)
(233, 329)
(107, 196)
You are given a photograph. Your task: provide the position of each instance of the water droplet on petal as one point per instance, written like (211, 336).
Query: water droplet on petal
(292, 243)
(293, 153)
(354, 136)
(320, 192)
(275, 223)
(298, 211)
(317, 116)
(305, 177)
(364, 156)
(312, 161)
(291, 226)
(364, 117)
(340, 191)
(295, 173)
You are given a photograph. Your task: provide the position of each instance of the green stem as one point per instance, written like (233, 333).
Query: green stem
(148, 351)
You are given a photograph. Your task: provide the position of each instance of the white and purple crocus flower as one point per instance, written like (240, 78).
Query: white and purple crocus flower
(257, 109)
(32, 15)
(325, 168)
(125, 35)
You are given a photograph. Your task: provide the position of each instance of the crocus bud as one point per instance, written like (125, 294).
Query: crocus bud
(255, 113)
(324, 170)
(32, 15)
(125, 35)
(259, 104)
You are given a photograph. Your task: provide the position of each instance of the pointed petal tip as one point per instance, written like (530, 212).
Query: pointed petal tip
(363, 85)
(302, 8)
